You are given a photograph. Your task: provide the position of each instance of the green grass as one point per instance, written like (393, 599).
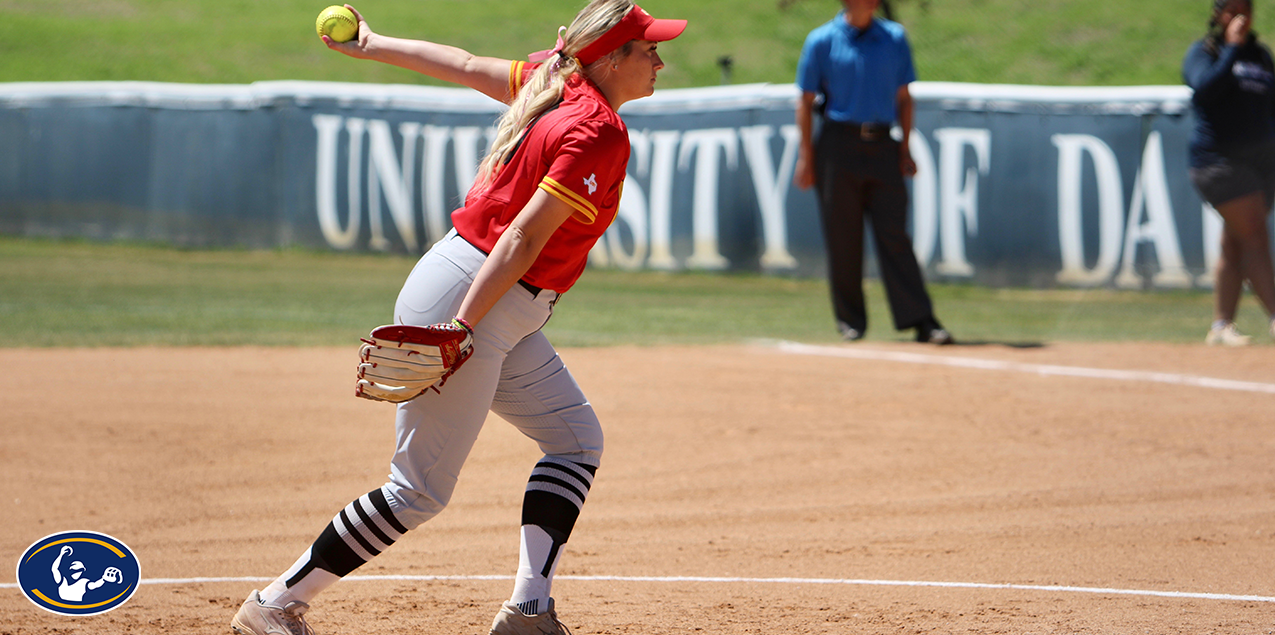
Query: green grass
(1064, 42)
(55, 293)
(80, 293)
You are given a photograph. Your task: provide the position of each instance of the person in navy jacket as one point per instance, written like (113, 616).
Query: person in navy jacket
(1232, 157)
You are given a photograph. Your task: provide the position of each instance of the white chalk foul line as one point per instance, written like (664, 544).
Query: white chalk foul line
(858, 352)
(727, 580)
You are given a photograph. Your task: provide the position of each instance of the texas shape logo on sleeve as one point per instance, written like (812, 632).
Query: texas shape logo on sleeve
(78, 573)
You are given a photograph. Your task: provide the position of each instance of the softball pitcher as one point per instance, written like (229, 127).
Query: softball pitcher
(545, 193)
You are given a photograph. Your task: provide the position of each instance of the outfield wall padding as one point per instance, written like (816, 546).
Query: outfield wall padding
(1017, 185)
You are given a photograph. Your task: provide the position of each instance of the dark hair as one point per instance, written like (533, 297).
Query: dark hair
(1217, 32)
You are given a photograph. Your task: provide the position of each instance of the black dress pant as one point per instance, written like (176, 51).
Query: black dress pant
(857, 181)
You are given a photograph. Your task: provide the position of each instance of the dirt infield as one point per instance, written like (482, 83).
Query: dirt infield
(745, 489)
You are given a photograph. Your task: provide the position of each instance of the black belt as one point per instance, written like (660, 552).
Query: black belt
(533, 289)
(867, 131)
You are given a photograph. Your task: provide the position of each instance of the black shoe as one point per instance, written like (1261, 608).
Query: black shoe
(933, 333)
(849, 333)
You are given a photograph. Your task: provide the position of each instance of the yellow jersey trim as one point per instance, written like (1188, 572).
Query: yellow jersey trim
(515, 77)
(581, 204)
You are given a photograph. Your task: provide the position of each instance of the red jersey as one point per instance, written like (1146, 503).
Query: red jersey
(578, 152)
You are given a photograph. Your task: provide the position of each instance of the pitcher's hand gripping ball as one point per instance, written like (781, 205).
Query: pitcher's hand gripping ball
(400, 362)
(338, 23)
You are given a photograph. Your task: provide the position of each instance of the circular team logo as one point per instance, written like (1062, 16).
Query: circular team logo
(78, 573)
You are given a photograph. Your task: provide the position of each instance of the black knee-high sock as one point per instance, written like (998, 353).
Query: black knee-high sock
(360, 532)
(551, 505)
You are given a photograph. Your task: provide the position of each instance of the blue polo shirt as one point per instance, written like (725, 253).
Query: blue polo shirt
(858, 72)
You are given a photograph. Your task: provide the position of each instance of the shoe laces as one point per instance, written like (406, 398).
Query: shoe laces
(293, 617)
(553, 619)
(562, 628)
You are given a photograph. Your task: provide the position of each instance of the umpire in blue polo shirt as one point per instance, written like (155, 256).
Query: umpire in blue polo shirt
(856, 69)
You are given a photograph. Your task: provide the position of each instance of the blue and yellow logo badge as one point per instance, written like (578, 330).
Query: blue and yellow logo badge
(78, 573)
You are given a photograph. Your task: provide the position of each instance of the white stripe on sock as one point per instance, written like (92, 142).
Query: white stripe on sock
(375, 516)
(345, 533)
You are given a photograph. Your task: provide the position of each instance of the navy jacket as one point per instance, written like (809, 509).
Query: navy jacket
(1234, 99)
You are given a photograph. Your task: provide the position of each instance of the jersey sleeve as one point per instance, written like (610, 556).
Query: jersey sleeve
(519, 73)
(588, 170)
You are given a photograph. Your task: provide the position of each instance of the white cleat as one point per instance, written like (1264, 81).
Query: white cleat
(1226, 336)
(511, 621)
(255, 618)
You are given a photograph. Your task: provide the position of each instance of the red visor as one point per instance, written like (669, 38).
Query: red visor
(637, 24)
